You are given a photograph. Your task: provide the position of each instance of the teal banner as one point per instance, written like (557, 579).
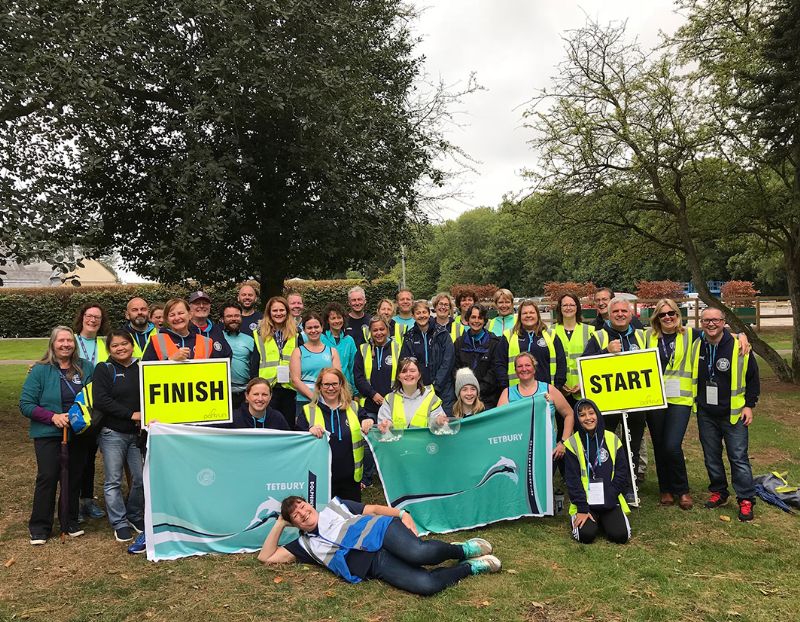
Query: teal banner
(497, 467)
(211, 490)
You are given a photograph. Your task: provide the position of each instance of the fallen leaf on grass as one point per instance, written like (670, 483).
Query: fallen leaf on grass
(536, 605)
(512, 571)
(329, 593)
(10, 563)
(726, 519)
(486, 603)
(671, 543)
(124, 576)
(278, 580)
(733, 613)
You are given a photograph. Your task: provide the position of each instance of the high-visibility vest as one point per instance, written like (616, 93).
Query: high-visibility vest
(457, 329)
(367, 350)
(680, 364)
(80, 413)
(420, 419)
(269, 359)
(575, 446)
(573, 347)
(601, 336)
(100, 352)
(310, 411)
(138, 351)
(514, 350)
(399, 332)
(164, 347)
(739, 365)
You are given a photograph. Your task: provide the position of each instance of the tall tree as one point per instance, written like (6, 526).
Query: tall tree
(626, 144)
(222, 139)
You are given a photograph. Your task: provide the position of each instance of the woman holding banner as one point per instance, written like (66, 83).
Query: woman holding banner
(115, 396)
(175, 342)
(308, 361)
(331, 409)
(276, 338)
(410, 404)
(529, 386)
(49, 390)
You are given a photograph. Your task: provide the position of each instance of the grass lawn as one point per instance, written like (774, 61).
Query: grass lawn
(22, 349)
(679, 565)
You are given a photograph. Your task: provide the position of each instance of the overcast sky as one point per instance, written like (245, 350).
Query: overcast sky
(513, 46)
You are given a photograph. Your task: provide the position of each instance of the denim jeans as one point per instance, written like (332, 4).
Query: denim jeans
(667, 428)
(118, 449)
(399, 562)
(713, 431)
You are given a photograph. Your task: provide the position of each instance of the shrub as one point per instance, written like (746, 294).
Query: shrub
(655, 290)
(32, 312)
(738, 293)
(483, 292)
(553, 290)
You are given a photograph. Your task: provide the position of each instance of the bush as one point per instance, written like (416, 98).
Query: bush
(738, 293)
(316, 294)
(483, 292)
(553, 290)
(32, 312)
(655, 290)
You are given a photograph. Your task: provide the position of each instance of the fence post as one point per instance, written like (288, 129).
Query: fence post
(697, 313)
(758, 315)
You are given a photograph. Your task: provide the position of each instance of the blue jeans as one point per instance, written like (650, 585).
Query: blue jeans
(713, 431)
(118, 449)
(667, 429)
(399, 562)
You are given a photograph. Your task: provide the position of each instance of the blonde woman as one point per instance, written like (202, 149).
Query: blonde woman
(504, 303)
(530, 334)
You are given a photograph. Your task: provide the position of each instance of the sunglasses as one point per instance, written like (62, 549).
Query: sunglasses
(666, 314)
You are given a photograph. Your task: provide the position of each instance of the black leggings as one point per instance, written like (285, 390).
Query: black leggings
(283, 400)
(613, 522)
(400, 562)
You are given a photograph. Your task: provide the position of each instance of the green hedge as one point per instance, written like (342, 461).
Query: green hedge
(32, 312)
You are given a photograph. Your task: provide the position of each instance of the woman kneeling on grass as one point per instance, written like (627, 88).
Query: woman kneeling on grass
(596, 476)
(357, 542)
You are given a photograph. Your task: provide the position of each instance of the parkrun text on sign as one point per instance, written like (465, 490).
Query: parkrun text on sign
(628, 381)
(185, 392)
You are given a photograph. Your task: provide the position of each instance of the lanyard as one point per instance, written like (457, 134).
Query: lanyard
(662, 344)
(593, 467)
(334, 421)
(378, 356)
(531, 335)
(68, 383)
(278, 335)
(425, 342)
(712, 355)
(262, 421)
(85, 352)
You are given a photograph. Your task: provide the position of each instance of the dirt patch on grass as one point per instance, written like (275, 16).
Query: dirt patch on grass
(771, 386)
(771, 455)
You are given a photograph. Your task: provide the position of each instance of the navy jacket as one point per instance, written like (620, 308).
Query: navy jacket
(486, 355)
(435, 354)
(716, 363)
(214, 330)
(380, 380)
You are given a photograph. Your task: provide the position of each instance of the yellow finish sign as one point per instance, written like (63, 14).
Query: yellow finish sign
(186, 392)
(628, 381)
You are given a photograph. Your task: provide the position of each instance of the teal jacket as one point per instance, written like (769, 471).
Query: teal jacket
(41, 397)
(346, 347)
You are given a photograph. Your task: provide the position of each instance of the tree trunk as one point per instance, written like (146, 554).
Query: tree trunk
(792, 264)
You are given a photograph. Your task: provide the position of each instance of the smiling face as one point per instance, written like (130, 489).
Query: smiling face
(330, 387)
(278, 313)
(713, 323)
(92, 318)
(569, 308)
(64, 345)
(232, 319)
(295, 304)
(422, 315)
(379, 332)
(313, 329)
(668, 318)
(587, 418)
(525, 368)
(443, 310)
(386, 310)
(476, 322)
(199, 310)
(601, 300)
(304, 516)
(505, 305)
(465, 303)
(409, 375)
(468, 395)
(335, 321)
(121, 350)
(247, 297)
(529, 316)
(620, 315)
(357, 302)
(404, 302)
(178, 318)
(258, 397)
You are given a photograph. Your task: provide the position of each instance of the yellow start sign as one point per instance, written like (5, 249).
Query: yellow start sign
(185, 392)
(628, 381)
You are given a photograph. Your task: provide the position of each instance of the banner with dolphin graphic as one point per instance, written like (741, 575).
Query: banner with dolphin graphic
(497, 467)
(210, 490)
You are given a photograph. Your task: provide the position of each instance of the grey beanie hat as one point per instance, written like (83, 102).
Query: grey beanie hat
(464, 376)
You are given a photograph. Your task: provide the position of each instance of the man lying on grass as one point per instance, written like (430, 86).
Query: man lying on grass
(357, 541)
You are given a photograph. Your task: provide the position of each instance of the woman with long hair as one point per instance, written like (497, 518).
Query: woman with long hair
(410, 404)
(276, 337)
(468, 394)
(50, 389)
(332, 409)
(573, 334)
(530, 334)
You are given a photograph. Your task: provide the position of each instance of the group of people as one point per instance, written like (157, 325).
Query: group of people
(412, 364)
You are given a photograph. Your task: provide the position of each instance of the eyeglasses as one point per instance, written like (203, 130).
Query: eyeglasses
(713, 320)
(661, 316)
(330, 385)
(88, 316)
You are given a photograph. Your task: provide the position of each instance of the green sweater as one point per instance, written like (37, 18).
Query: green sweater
(42, 390)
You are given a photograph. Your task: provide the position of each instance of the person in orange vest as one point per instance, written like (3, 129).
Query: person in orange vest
(175, 342)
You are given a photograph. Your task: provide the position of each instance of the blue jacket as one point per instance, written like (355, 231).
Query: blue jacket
(40, 398)
(486, 355)
(380, 381)
(435, 354)
(346, 347)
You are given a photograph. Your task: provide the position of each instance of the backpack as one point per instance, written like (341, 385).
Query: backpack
(82, 414)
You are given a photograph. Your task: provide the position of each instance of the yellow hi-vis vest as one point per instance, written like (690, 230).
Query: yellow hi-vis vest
(311, 410)
(738, 374)
(514, 350)
(138, 352)
(680, 364)
(366, 353)
(420, 418)
(573, 347)
(602, 338)
(269, 358)
(100, 353)
(575, 446)
(457, 329)
(399, 332)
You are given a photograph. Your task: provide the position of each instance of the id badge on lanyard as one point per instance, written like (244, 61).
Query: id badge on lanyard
(712, 393)
(596, 493)
(283, 373)
(672, 387)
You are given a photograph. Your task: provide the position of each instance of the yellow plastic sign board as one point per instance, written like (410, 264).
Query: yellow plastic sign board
(628, 381)
(186, 392)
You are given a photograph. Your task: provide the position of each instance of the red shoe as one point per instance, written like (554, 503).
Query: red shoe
(715, 500)
(666, 498)
(745, 510)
